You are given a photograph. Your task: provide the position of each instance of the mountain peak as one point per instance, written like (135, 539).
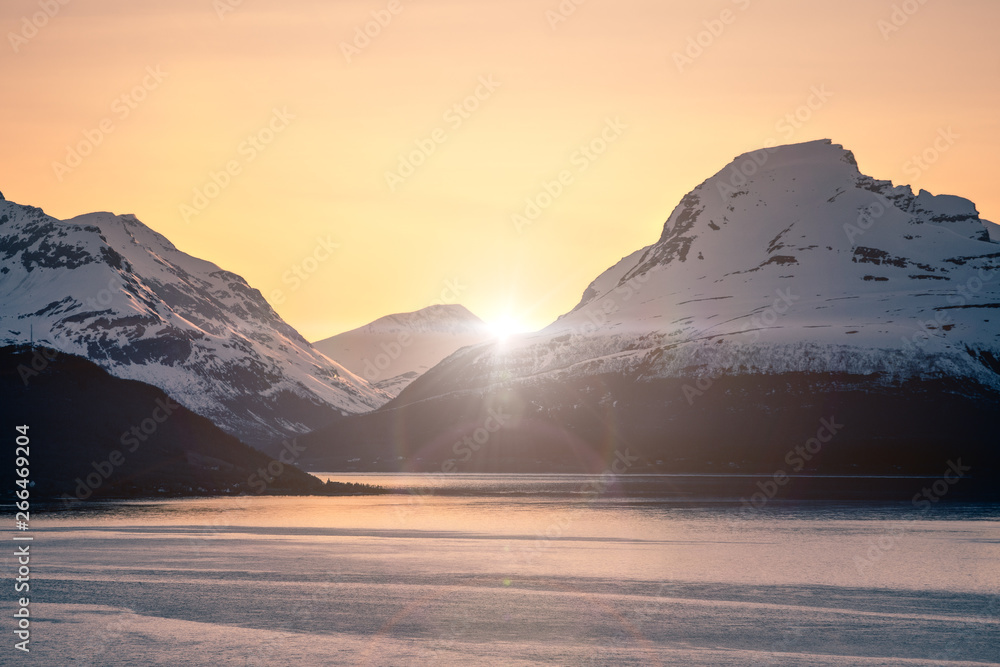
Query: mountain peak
(395, 349)
(439, 318)
(816, 188)
(806, 152)
(800, 216)
(126, 229)
(815, 162)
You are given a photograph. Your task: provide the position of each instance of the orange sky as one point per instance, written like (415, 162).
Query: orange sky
(161, 95)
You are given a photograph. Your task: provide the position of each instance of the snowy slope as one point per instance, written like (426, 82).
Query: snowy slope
(394, 350)
(805, 265)
(110, 289)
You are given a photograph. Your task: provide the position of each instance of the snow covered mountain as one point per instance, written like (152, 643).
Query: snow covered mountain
(786, 289)
(805, 265)
(394, 350)
(114, 291)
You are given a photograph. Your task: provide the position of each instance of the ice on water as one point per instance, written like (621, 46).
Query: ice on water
(524, 580)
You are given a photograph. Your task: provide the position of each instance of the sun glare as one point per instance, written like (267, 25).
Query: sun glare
(503, 328)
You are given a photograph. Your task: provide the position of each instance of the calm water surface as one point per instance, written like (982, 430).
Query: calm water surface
(515, 571)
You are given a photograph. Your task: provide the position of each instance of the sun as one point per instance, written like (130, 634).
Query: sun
(503, 328)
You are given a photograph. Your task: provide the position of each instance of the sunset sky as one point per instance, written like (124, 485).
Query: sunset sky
(309, 118)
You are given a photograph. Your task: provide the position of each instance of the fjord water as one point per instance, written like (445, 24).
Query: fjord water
(513, 569)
